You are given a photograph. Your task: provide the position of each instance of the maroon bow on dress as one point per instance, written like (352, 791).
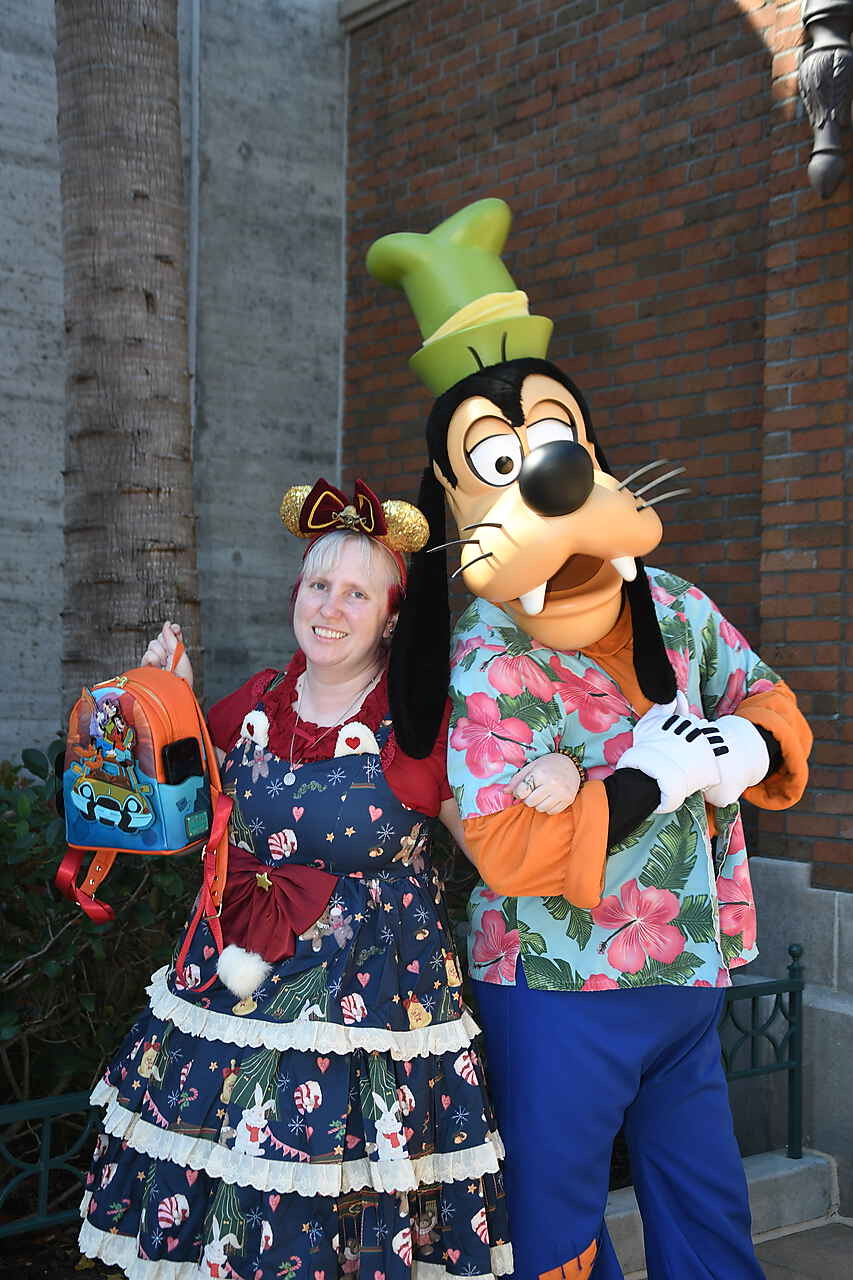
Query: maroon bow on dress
(265, 909)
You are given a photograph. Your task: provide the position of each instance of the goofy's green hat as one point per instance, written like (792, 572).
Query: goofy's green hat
(470, 313)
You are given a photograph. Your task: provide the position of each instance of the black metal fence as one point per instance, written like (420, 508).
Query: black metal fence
(40, 1140)
(766, 1037)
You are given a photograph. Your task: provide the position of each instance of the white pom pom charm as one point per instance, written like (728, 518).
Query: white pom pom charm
(241, 971)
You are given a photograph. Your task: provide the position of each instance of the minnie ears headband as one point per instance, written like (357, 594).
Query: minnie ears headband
(309, 512)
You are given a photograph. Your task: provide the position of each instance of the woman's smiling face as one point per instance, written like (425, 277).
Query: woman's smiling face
(341, 608)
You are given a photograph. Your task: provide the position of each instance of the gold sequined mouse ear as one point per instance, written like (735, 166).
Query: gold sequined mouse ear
(291, 505)
(408, 530)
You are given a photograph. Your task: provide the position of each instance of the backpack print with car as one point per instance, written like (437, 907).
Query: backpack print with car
(140, 775)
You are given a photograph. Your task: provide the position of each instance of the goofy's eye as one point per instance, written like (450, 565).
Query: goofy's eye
(497, 459)
(548, 429)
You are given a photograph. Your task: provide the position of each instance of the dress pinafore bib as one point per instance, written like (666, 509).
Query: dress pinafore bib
(333, 1122)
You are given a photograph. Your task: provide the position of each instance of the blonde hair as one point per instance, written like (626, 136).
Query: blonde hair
(324, 554)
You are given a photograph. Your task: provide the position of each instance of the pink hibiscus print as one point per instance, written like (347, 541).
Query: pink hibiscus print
(512, 675)
(469, 645)
(731, 636)
(737, 907)
(696, 593)
(489, 742)
(641, 927)
(680, 663)
(496, 947)
(733, 694)
(594, 696)
(600, 982)
(722, 980)
(661, 595)
(494, 798)
(614, 748)
(737, 840)
(489, 894)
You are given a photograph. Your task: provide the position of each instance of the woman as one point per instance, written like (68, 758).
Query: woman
(319, 1110)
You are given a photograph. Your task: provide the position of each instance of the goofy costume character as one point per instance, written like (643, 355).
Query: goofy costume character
(602, 937)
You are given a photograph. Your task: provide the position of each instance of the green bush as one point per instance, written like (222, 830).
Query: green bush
(70, 988)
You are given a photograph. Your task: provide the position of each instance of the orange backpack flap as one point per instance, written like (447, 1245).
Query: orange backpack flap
(115, 779)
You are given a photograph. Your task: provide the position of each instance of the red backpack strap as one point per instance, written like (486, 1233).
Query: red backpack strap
(214, 861)
(84, 894)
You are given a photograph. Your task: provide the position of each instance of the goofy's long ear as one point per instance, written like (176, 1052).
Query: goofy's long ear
(654, 670)
(419, 666)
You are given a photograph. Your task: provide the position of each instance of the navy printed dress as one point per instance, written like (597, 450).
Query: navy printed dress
(334, 1122)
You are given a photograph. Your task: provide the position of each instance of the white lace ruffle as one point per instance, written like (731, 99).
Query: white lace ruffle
(308, 1037)
(120, 1251)
(501, 1260)
(305, 1179)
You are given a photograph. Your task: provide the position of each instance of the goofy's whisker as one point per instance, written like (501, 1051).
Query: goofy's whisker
(667, 475)
(662, 497)
(463, 567)
(482, 524)
(454, 542)
(659, 462)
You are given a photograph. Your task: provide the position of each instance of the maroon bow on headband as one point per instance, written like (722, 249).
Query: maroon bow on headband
(326, 508)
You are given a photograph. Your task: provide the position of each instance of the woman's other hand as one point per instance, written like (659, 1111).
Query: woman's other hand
(548, 784)
(448, 814)
(162, 647)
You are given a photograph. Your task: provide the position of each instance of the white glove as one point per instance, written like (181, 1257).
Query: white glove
(743, 762)
(672, 746)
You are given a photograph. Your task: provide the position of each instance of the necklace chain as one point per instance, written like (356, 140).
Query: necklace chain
(359, 698)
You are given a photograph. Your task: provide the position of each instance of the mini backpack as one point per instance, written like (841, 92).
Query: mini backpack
(140, 775)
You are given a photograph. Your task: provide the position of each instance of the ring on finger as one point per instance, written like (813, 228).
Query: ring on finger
(531, 782)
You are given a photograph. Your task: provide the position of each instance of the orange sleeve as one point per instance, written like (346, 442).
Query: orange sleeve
(776, 710)
(522, 852)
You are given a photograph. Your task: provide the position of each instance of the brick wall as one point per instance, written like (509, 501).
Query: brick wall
(655, 162)
(807, 456)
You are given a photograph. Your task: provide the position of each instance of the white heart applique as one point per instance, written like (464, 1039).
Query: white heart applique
(256, 728)
(354, 739)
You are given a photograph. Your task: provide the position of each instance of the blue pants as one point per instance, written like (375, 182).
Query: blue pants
(566, 1070)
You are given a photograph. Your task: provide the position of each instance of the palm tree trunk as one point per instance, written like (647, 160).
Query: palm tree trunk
(130, 556)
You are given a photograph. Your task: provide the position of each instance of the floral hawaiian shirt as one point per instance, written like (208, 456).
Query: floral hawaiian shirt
(675, 907)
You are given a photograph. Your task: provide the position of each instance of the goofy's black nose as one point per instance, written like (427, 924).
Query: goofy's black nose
(556, 478)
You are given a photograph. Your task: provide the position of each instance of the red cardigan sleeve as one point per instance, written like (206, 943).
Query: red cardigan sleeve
(422, 784)
(226, 716)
